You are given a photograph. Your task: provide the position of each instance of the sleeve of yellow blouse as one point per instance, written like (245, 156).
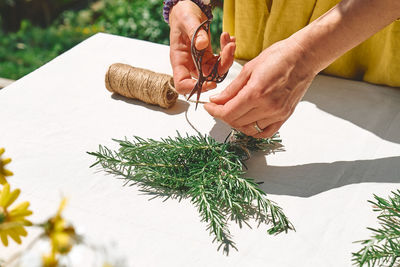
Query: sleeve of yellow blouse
(376, 60)
(287, 17)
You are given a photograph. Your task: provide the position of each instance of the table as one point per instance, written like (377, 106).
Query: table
(342, 145)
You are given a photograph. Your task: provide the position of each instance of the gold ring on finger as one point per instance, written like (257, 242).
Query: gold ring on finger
(259, 130)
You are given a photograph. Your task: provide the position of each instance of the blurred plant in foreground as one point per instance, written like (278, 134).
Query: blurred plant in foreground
(56, 232)
(12, 221)
(62, 237)
(3, 171)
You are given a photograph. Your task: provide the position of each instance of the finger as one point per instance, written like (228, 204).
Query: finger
(184, 86)
(259, 115)
(231, 110)
(214, 109)
(232, 89)
(227, 53)
(209, 60)
(249, 128)
(250, 117)
(224, 39)
(208, 86)
(194, 74)
(247, 123)
(246, 130)
(202, 38)
(270, 130)
(227, 57)
(187, 85)
(182, 68)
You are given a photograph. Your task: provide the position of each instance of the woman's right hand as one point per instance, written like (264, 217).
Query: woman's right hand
(185, 17)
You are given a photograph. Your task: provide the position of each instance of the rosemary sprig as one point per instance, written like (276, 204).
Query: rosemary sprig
(207, 172)
(383, 248)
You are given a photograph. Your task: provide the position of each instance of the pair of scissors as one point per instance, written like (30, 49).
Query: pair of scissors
(197, 56)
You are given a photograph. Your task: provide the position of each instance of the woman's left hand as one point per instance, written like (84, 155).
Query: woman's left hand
(267, 90)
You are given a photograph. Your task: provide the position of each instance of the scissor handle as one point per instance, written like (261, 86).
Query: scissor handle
(197, 56)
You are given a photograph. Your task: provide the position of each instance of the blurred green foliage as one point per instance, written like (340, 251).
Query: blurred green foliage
(32, 46)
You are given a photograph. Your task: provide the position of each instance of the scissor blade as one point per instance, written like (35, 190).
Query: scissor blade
(198, 98)
(194, 90)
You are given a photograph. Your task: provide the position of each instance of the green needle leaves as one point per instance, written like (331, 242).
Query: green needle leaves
(383, 248)
(199, 168)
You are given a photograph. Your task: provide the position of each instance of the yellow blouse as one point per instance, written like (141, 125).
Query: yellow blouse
(259, 23)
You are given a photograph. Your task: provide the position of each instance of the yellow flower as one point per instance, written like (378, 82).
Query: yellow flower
(62, 235)
(12, 222)
(3, 171)
(49, 260)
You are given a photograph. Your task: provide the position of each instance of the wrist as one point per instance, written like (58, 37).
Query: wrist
(306, 55)
(305, 59)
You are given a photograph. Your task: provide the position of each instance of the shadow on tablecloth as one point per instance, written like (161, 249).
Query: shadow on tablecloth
(180, 106)
(371, 107)
(375, 109)
(311, 179)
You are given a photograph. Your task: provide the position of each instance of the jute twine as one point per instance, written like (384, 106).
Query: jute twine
(145, 85)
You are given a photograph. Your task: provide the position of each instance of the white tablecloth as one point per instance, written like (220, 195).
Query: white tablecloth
(342, 144)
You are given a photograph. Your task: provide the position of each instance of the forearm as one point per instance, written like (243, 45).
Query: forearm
(343, 27)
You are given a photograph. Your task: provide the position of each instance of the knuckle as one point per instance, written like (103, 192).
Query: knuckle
(181, 88)
(182, 91)
(278, 105)
(283, 80)
(273, 106)
(246, 68)
(266, 134)
(256, 93)
(225, 117)
(274, 129)
(285, 112)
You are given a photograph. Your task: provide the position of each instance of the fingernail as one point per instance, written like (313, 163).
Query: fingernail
(200, 38)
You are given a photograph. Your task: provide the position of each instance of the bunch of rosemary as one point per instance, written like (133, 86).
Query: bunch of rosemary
(383, 248)
(208, 172)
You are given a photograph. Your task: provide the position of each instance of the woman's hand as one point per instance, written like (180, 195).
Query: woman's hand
(266, 91)
(269, 87)
(185, 18)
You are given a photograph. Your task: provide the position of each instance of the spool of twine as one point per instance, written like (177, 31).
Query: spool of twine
(145, 85)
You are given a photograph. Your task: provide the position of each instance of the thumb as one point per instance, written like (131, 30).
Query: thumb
(202, 39)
